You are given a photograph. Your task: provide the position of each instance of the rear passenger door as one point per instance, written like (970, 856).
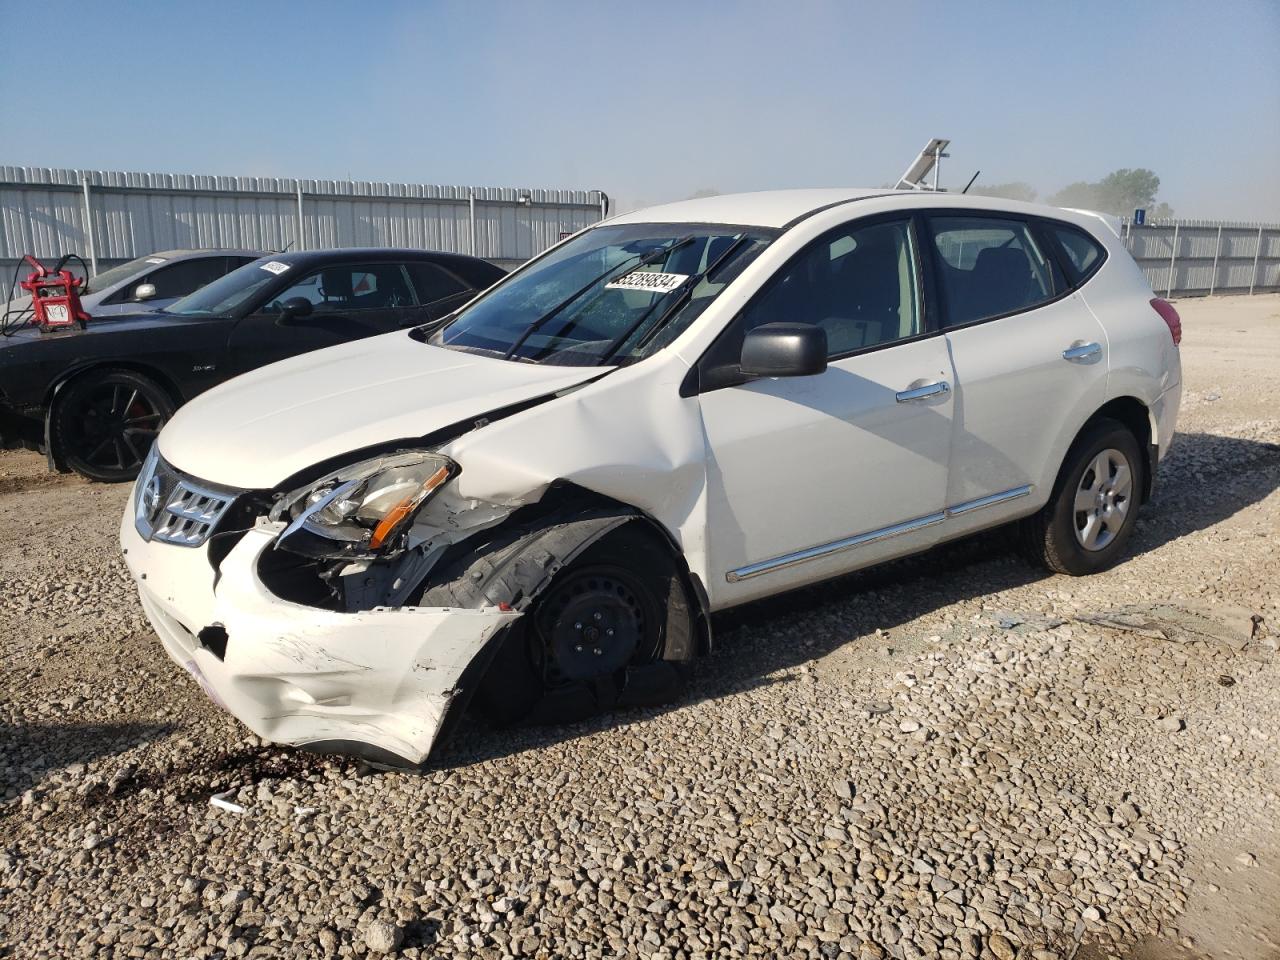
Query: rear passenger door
(1030, 362)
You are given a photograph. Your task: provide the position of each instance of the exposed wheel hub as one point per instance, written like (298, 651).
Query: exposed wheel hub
(593, 624)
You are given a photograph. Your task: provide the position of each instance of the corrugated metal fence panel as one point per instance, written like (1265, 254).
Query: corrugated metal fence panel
(1195, 257)
(42, 211)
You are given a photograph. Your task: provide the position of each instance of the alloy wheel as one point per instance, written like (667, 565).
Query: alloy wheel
(1103, 499)
(119, 425)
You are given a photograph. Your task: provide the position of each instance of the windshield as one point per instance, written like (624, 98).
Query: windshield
(109, 278)
(229, 293)
(615, 294)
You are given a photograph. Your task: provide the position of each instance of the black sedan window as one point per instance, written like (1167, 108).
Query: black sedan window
(230, 293)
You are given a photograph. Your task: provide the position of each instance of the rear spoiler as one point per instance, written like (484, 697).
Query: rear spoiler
(1112, 223)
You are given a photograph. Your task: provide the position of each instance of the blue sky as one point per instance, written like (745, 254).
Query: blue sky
(654, 101)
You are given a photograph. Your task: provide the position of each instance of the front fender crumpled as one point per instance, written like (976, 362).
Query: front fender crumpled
(517, 567)
(311, 677)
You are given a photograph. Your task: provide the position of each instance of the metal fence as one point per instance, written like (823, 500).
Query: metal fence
(110, 217)
(1189, 258)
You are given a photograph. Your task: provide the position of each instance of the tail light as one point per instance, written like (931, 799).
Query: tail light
(1169, 316)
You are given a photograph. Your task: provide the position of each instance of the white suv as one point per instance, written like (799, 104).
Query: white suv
(543, 497)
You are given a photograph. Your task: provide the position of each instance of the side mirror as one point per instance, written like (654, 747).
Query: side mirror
(144, 291)
(295, 308)
(784, 350)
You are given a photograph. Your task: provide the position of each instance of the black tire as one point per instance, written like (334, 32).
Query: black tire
(105, 421)
(549, 672)
(1058, 535)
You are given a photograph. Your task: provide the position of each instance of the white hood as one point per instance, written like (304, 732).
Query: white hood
(256, 430)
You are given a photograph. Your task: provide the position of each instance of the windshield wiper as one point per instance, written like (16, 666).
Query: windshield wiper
(682, 292)
(644, 259)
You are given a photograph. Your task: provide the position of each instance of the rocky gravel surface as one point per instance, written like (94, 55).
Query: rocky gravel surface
(954, 756)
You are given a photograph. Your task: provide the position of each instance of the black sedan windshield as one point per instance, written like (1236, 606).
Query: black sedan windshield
(614, 294)
(229, 293)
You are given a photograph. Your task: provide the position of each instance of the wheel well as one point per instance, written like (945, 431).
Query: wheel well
(51, 398)
(1135, 415)
(563, 493)
(139, 368)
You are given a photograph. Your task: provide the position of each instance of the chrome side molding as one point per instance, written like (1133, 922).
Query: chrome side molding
(761, 567)
(989, 501)
(827, 549)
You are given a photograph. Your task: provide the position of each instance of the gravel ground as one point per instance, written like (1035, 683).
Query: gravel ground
(953, 756)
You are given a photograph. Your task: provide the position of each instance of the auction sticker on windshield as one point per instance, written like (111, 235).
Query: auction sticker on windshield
(276, 267)
(648, 282)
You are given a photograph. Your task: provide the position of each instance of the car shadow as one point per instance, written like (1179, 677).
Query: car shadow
(30, 753)
(1205, 479)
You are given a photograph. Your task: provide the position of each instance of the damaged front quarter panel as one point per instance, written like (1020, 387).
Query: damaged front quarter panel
(381, 678)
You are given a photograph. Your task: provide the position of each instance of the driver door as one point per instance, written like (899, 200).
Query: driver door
(810, 477)
(348, 301)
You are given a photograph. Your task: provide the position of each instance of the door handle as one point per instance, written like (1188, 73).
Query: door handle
(1080, 352)
(922, 391)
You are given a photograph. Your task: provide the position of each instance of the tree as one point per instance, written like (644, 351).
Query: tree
(1078, 194)
(1018, 190)
(1119, 192)
(1123, 191)
(704, 192)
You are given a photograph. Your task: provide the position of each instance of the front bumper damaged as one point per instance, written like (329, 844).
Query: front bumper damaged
(378, 683)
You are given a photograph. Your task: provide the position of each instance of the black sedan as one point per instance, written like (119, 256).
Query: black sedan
(94, 399)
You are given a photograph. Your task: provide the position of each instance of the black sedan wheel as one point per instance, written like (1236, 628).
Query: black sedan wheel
(105, 422)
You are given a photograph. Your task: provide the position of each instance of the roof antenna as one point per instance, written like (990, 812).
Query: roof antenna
(970, 183)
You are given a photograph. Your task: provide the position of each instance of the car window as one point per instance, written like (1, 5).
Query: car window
(346, 287)
(857, 283)
(989, 267)
(134, 268)
(180, 279)
(431, 283)
(1083, 253)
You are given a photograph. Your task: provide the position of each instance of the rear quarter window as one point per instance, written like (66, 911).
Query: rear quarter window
(1082, 255)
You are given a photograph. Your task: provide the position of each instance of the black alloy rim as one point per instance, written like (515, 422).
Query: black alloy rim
(119, 423)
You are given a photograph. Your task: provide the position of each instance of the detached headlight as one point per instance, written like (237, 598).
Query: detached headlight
(364, 510)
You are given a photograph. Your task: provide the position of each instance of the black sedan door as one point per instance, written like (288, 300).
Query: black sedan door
(328, 305)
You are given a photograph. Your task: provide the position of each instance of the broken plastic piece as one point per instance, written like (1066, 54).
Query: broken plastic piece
(220, 801)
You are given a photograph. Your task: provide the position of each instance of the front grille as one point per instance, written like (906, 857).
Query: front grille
(174, 508)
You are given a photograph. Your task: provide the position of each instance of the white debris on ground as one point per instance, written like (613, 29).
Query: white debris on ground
(955, 757)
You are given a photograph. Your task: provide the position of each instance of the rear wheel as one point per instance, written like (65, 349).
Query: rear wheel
(105, 421)
(1088, 521)
(613, 627)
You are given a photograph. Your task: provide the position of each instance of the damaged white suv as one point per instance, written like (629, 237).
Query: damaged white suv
(542, 498)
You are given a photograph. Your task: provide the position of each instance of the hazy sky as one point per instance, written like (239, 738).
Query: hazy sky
(654, 101)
